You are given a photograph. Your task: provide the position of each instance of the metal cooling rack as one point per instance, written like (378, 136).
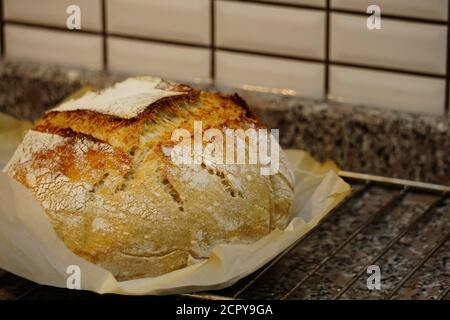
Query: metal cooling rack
(400, 225)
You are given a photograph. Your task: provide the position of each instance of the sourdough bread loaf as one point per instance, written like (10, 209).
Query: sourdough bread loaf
(99, 167)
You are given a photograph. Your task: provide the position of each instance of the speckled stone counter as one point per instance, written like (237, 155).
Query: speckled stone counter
(359, 139)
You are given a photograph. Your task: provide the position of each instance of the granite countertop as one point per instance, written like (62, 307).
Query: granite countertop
(360, 139)
(378, 225)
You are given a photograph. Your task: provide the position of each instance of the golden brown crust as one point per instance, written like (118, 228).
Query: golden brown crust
(116, 199)
(217, 111)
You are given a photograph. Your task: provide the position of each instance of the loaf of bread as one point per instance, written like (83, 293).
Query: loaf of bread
(100, 166)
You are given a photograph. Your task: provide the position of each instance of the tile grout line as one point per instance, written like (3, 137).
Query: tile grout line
(158, 40)
(441, 22)
(271, 55)
(447, 81)
(393, 17)
(327, 50)
(2, 30)
(104, 36)
(278, 4)
(38, 25)
(212, 21)
(243, 51)
(388, 69)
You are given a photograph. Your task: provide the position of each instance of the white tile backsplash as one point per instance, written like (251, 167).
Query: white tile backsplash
(303, 78)
(398, 44)
(258, 34)
(58, 47)
(431, 9)
(271, 29)
(176, 20)
(387, 90)
(53, 12)
(168, 61)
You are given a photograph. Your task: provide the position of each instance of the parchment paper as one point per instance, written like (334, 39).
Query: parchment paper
(30, 248)
(11, 133)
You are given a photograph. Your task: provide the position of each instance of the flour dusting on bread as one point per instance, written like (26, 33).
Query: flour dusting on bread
(126, 99)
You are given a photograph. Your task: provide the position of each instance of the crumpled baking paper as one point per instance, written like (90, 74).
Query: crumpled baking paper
(30, 248)
(11, 134)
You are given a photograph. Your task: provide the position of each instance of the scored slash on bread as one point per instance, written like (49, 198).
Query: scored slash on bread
(97, 166)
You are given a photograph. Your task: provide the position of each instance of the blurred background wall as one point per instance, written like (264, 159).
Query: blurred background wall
(317, 49)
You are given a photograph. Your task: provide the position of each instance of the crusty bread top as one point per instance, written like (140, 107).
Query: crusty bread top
(125, 131)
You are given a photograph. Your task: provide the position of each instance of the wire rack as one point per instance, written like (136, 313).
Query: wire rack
(401, 226)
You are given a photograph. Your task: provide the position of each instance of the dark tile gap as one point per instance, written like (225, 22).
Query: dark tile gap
(48, 27)
(193, 45)
(2, 30)
(212, 44)
(327, 50)
(278, 4)
(158, 40)
(447, 82)
(388, 69)
(104, 35)
(392, 17)
(345, 11)
(270, 55)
